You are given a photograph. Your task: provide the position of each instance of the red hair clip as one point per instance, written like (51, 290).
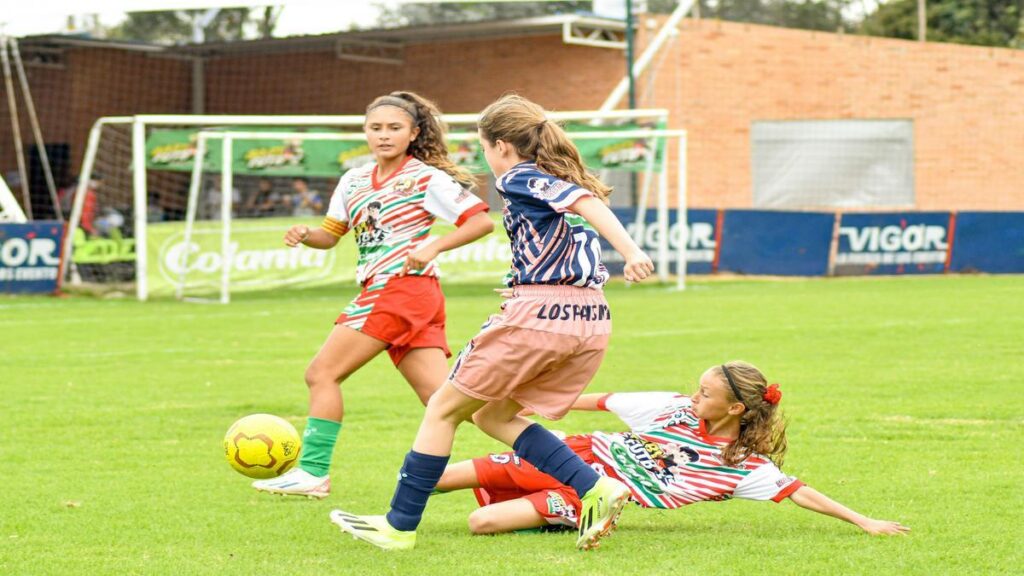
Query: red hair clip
(772, 395)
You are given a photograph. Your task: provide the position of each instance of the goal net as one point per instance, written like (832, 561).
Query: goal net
(183, 236)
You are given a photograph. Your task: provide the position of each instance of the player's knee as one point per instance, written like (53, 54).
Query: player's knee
(483, 521)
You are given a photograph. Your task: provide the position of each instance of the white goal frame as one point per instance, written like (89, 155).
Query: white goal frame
(205, 123)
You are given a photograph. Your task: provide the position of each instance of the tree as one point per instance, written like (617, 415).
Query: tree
(450, 12)
(979, 22)
(175, 26)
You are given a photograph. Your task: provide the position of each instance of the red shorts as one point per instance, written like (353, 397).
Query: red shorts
(407, 313)
(505, 477)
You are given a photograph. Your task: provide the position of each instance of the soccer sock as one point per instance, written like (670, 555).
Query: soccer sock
(318, 445)
(417, 479)
(551, 456)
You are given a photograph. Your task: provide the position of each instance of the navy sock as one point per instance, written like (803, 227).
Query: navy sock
(551, 456)
(417, 479)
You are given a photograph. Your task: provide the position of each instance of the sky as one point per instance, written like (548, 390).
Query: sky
(298, 17)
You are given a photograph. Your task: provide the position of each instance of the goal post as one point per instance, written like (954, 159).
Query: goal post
(228, 131)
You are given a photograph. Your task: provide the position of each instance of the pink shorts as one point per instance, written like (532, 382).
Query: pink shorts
(541, 350)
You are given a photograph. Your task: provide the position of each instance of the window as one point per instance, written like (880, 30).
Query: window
(833, 163)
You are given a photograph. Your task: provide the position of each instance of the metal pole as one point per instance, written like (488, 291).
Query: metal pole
(37, 132)
(15, 127)
(139, 186)
(190, 213)
(630, 39)
(922, 21)
(226, 188)
(681, 215)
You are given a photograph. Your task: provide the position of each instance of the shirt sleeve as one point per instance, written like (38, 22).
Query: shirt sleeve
(639, 409)
(556, 193)
(767, 482)
(448, 200)
(336, 221)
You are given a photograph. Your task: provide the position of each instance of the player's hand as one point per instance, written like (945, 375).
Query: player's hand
(884, 527)
(296, 235)
(505, 293)
(638, 267)
(419, 259)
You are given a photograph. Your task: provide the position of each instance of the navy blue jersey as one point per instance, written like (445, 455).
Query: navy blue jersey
(549, 244)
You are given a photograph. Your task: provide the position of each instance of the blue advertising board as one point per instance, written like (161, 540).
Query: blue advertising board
(989, 242)
(892, 243)
(30, 256)
(700, 239)
(776, 243)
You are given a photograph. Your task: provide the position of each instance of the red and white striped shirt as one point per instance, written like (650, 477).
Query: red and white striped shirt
(391, 218)
(668, 460)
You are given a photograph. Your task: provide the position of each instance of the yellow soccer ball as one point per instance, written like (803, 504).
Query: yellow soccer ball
(262, 446)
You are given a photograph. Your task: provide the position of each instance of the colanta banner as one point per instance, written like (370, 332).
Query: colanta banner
(175, 150)
(30, 256)
(259, 260)
(892, 243)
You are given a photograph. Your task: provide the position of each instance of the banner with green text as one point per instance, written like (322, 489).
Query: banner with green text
(175, 150)
(259, 260)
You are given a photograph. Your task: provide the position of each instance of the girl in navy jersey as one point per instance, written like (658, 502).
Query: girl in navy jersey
(390, 206)
(724, 441)
(549, 339)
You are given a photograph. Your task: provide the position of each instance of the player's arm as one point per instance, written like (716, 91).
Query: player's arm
(312, 237)
(590, 402)
(473, 228)
(638, 264)
(810, 499)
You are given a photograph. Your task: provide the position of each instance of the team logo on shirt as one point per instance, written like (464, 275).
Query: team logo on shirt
(546, 189)
(404, 186)
(369, 232)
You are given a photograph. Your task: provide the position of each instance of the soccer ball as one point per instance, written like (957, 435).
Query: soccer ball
(262, 446)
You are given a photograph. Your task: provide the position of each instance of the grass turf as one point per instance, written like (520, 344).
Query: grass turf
(903, 396)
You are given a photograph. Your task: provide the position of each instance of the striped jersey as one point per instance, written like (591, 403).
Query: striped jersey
(392, 217)
(549, 244)
(668, 460)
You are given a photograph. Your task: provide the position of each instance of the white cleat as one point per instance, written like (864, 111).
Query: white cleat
(296, 482)
(374, 530)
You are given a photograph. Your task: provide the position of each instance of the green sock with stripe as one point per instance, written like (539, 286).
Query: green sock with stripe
(318, 445)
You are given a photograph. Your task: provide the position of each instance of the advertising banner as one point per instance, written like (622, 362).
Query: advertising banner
(260, 260)
(175, 150)
(990, 242)
(30, 256)
(892, 243)
(700, 239)
(776, 243)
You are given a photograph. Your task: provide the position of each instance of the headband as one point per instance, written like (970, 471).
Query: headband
(772, 394)
(397, 102)
(735, 388)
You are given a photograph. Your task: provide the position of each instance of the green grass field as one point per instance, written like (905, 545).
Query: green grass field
(904, 398)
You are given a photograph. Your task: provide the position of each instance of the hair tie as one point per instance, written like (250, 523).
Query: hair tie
(772, 394)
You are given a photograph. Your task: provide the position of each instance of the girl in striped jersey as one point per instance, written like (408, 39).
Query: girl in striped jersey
(548, 341)
(390, 206)
(725, 441)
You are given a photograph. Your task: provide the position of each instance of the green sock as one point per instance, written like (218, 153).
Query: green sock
(318, 445)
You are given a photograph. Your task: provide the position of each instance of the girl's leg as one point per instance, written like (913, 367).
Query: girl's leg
(505, 517)
(426, 462)
(425, 369)
(536, 444)
(458, 476)
(345, 351)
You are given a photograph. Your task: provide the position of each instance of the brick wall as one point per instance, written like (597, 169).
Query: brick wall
(967, 103)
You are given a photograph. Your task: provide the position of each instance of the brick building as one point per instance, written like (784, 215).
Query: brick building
(965, 104)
